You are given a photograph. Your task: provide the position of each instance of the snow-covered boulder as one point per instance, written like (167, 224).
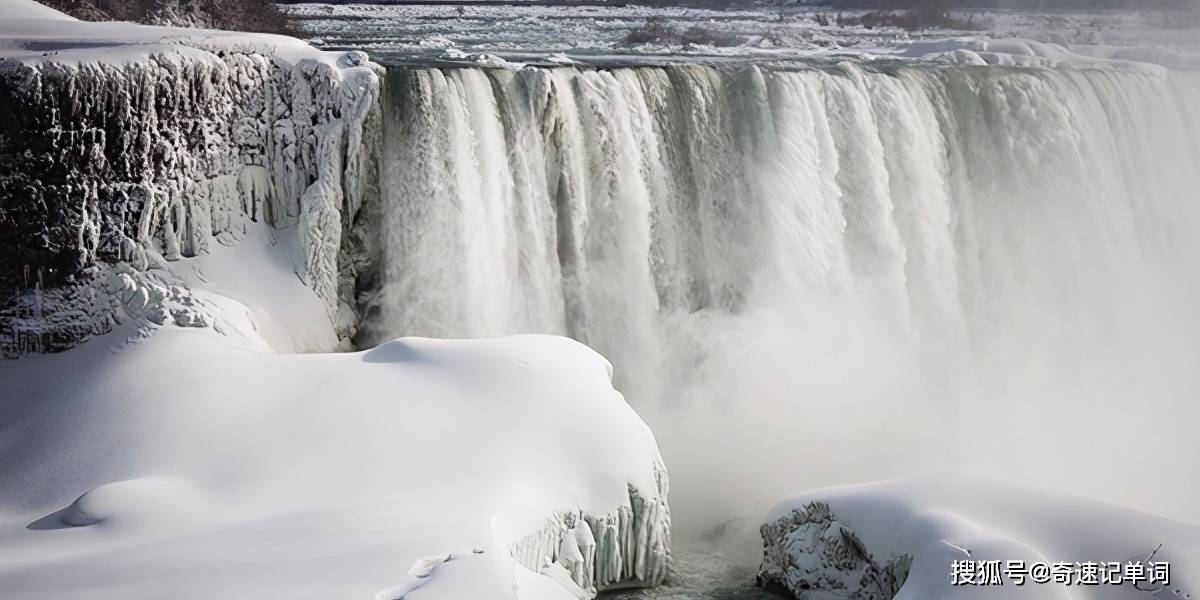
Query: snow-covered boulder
(809, 552)
(963, 537)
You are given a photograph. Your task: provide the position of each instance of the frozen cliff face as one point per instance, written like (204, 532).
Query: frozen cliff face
(107, 160)
(627, 547)
(106, 297)
(808, 553)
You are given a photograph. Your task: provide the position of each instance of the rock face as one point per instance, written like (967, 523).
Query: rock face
(628, 547)
(129, 161)
(809, 553)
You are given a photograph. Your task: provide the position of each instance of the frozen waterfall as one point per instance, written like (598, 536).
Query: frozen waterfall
(910, 243)
(610, 204)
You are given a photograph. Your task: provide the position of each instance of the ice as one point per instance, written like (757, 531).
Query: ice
(545, 34)
(798, 250)
(178, 149)
(628, 547)
(810, 552)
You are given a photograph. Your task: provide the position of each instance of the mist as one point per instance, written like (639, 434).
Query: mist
(835, 277)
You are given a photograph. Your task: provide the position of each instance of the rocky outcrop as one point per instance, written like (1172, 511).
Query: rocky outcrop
(627, 547)
(111, 162)
(808, 553)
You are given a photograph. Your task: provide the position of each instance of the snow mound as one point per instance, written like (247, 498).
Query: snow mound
(866, 539)
(28, 9)
(360, 462)
(136, 501)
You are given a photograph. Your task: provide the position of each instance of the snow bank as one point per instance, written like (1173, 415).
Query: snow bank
(127, 143)
(866, 540)
(28, 9)
(202, 458)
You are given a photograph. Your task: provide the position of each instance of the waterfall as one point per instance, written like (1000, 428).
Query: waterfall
(941, 234)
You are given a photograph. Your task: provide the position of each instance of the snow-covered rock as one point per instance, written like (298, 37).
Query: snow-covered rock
(903, 538)
(809, 552)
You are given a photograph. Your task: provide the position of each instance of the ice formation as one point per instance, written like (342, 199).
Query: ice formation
(103, 297)
(808, 552)
(628, 547)
(123, 160)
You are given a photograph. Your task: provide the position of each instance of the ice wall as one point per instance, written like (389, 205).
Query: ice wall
(165, 155)
(627, 547)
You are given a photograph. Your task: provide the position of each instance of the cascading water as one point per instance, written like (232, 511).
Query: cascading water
(814, 274)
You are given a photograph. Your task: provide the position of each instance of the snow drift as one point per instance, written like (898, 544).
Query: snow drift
(863, 541)
(152, 468)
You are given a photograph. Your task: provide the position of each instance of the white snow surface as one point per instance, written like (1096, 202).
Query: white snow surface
(186, 467)
(939, 519)
(31, 32)
(28, 9)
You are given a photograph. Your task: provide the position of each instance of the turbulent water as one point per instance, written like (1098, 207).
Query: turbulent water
(807, 275)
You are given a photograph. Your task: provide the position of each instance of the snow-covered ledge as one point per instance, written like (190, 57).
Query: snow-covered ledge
(903, 538)
(316, 476)
(123, 143)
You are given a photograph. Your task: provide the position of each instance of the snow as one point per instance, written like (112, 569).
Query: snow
(359, 462)
(28, 9)
(186, 451)
(180, 141)
(542, 34)
(32, 32)
(180, 448)
(935, 520)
